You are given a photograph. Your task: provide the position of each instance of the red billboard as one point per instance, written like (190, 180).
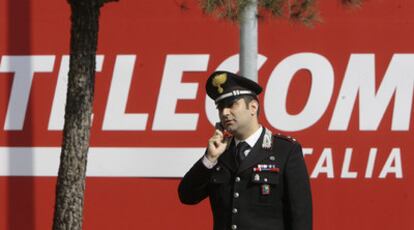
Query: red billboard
(343, 89)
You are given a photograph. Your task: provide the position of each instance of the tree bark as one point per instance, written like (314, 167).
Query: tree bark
(70, 185)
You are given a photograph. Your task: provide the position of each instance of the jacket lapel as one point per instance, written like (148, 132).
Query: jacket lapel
(260, 151)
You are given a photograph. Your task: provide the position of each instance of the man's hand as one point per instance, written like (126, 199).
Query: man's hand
(217, 144)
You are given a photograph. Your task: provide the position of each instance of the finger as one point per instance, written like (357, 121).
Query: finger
(214, 139)
(218, 141)
(218, 132)
(217, 137)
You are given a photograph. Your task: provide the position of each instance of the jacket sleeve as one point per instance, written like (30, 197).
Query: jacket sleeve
(193, 187)
(298, 202)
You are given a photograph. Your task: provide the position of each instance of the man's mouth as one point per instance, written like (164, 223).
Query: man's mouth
(228, 122)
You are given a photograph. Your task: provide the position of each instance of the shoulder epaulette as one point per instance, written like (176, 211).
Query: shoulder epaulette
(267, 139)
(287, 138)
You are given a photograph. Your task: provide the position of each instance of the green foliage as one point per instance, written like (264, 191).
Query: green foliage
(303, 11)
(273, 6)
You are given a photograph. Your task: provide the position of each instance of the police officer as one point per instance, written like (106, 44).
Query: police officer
(255, 180)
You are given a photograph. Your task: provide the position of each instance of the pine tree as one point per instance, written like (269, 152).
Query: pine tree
(303, 11)
(246, 12)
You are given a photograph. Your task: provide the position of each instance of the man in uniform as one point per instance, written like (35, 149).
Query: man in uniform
(255, 180)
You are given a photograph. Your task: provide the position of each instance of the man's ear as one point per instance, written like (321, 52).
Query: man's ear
(253, 107)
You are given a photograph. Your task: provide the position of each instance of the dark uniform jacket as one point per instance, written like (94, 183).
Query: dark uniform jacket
(270, 189)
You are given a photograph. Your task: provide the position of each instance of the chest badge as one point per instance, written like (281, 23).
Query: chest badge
(265, 189)
(266, 168)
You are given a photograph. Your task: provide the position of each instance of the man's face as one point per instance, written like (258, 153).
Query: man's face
(236, 117)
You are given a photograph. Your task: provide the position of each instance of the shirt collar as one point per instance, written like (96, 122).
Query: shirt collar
(252, 139)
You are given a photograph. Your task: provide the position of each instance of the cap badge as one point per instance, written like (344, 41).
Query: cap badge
(219, 80)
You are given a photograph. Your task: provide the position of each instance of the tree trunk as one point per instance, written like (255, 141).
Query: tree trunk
(70, 185)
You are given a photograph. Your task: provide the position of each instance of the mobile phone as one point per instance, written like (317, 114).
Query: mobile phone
(220, 127)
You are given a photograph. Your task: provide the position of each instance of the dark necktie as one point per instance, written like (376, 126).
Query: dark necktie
(240, 149)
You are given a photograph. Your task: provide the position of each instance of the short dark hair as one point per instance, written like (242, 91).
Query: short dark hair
(250, 98)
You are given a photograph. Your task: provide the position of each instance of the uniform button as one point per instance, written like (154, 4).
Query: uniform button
(236, 195)
(234, 227)
(218, 168)
(237, 179)
(235, 210)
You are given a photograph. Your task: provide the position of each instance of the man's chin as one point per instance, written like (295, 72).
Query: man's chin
(231, 128)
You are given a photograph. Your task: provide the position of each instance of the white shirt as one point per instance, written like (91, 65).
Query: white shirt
(251, 141)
